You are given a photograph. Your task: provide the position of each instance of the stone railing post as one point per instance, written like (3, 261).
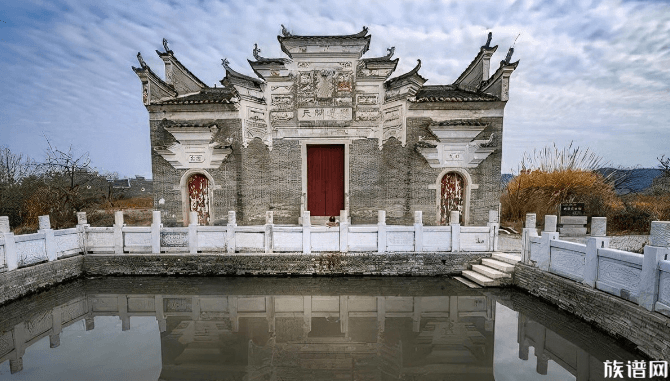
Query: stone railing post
(269, 223)
(657, 250)
(598, 240)
(344, 231)
(230, 232)
(56, 327)
(418, 231)
(454, 222)
(193, 232)
(549, 233)
(529, 230)
(381, 231)
(49, 239)
(306, 230)
(494, 226)
(20, 344)
(82, 226)
(11, 256)
(156, 232)
(118, 232)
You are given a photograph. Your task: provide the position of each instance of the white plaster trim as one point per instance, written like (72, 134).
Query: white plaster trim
(303, 155)
(466, 193)
(183, 187)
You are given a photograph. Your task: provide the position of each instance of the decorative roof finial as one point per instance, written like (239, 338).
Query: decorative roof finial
(509, 56)
(165, 46)
(285, 31)
(141, 60)
(510, 51)
(417, 67)
(256, 51)
(224, 62)
(390, 51)
(488, 40)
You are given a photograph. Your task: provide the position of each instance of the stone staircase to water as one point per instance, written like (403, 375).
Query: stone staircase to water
(494, 271)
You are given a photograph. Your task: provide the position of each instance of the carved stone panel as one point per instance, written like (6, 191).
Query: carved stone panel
(174, 239)
(619, 274)
(100, 240)
(106, 304)
(212, 240)
(137, 239)
(664, 288)
(567, 262)
(6, 343)
(367, 114)
(67, 244)
(39, 324)
(30, 252)
(141, 304)
(366, 99)
(325, 88)
(279, 117)
(73, 311)
(177, 304)
(255, 126)
(393, 125)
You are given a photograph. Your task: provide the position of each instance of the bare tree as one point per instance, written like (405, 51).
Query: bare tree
(14, 167)
(69, 184)
(664, 165)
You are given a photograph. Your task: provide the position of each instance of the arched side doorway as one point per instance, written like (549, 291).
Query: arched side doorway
(197, 190)
(453, 193)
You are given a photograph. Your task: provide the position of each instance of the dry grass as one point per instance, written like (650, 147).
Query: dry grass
(542, 193)
(137, 211)
(638, 212)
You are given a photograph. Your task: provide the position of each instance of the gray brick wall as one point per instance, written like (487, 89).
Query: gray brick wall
(254, 179)
(24, 281)
(423, 264)
(619, 317)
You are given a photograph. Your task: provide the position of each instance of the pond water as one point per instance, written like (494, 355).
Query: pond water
(295, 329)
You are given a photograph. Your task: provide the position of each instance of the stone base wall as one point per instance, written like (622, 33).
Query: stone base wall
(328, 264)
(621, 318)
(21, 282)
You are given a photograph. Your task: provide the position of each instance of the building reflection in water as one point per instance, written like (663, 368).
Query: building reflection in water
(447, 331)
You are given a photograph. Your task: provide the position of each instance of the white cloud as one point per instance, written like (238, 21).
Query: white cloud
(593, 73)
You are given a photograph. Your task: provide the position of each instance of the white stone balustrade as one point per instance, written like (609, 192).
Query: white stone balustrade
(49, 244)
(642, 279)
(528, 231)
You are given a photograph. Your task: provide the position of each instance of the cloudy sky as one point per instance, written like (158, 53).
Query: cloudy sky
(593, 72)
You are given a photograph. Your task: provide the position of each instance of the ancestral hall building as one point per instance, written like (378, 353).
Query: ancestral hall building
(326, 130)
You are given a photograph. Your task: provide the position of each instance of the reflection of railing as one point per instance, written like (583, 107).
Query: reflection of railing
(48, 244)
(640, 278)
(211, 315)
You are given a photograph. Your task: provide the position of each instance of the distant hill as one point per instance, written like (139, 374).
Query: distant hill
(626, 180)
(631, 180)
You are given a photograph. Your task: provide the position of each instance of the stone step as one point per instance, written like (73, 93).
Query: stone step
(467, 282)
(498, 265)
(480, 279)
(505, 257)
(490, 272)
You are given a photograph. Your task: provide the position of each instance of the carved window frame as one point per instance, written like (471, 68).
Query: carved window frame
(468, 186)
(185, 202)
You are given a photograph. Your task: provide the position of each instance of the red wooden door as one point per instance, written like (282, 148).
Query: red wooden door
(325, 179)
